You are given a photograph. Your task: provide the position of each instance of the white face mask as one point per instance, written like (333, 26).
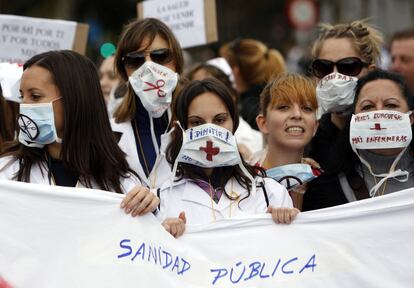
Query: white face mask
(381, 129)
(37, 125)
(210, 146)
(292, 175)
(335, 93)
(154, 85)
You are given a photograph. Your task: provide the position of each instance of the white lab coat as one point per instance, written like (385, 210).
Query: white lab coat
(40, 176)
(199, 208)
(161, 170)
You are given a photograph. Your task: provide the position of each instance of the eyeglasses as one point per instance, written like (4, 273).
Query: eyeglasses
(134, 60)
(350, 66)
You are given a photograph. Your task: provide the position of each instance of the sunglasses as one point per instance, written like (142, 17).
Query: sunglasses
(350, 66)
(134, 60)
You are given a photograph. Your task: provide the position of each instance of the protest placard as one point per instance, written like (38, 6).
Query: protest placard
(193, 22)
(23, 37)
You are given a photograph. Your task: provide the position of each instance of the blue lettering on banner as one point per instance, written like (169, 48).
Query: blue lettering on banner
(257, 269)
(154, 255)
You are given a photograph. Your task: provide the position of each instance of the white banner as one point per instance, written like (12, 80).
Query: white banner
(62, 237)
(23, 37)
(184, 17)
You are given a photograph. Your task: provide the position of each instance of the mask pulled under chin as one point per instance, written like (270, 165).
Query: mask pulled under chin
(154, 84)
(293, 175)
(335, 93)
(210, 146)
(381, 129)
(37, 125)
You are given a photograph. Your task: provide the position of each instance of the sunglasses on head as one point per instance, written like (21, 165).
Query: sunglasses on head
(350, 66)
(134, 60)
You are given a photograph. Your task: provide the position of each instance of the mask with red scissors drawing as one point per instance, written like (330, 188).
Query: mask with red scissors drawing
(154, 85)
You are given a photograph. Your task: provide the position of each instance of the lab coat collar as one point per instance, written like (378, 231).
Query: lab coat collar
(128, 144)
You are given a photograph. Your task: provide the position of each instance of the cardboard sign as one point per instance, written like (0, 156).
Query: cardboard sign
(23, 37)
(193, 22)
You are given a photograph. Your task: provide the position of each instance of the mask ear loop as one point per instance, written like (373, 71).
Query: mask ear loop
(153, 137)
(58, 139)
(175, 166)
(385, 176)
(252, 181)
(244, 170)
(169, 114)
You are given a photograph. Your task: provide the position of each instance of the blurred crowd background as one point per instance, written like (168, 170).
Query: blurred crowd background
(269, 21)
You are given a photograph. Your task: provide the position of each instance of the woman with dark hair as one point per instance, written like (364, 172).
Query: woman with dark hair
(5, 133)
(150, 60)
(205, 70)
(10, 74)
(65, 136)
(248, 139)
(211, 180)
(376, 150)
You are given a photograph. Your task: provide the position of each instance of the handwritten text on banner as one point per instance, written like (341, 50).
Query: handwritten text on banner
(62, 237)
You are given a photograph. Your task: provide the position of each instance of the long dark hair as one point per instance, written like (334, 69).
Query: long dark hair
(5, 133)
(8, 127)
(89, 147)
(180, 111)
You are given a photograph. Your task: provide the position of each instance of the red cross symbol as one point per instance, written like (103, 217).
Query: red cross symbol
(377, 126)
(210, 150)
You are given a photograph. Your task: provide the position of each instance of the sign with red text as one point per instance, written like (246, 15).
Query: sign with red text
(74, 237)
(192, 21)
(380, 129)
(23, 37)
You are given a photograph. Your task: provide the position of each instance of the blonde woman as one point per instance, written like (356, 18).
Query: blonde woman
(252, 64)
(342, 54)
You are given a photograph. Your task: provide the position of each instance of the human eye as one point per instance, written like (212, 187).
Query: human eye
(220, 119)
(112, 76)
(307, 108)
(193, 122)
(35, 96)
(367, 107)
(282, 107)
(391, 106)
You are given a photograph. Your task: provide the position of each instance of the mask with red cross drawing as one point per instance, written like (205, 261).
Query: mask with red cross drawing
(208, 146)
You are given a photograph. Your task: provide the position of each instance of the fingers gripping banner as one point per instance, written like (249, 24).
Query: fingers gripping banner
(61, 237)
